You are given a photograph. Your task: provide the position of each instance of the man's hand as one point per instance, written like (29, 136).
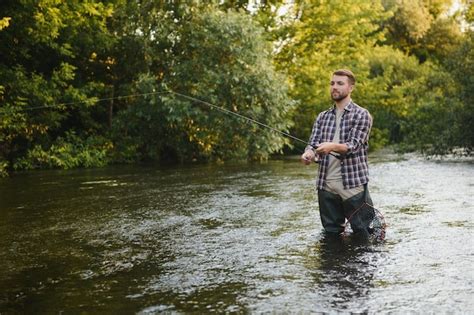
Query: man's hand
(325, 148)
(308, 156)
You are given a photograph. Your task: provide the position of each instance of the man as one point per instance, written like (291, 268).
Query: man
(340, 138)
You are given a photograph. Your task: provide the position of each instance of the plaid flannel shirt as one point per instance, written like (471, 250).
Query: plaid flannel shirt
(355, 128)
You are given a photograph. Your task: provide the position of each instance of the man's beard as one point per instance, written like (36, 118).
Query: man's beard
(338, 96)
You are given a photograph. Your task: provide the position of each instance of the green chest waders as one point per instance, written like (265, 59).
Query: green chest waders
(334, 211)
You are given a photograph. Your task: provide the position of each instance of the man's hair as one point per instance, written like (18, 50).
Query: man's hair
(347, 73)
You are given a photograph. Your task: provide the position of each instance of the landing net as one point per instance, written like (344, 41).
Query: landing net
(370, 218)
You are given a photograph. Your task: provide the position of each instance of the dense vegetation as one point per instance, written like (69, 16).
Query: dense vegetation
(88, 83)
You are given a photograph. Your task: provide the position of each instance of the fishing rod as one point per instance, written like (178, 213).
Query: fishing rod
(260, 124)
(226, 111)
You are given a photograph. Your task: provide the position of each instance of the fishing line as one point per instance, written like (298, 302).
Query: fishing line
(87, 101)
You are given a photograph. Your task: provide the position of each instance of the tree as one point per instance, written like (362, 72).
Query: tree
(219, 57)
(51, 41)
(423, 28)
(440, 121)
(326, 35)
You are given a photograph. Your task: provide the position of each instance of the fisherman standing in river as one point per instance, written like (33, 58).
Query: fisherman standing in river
(339, 142)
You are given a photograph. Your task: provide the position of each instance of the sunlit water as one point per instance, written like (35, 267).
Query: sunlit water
(235, 238)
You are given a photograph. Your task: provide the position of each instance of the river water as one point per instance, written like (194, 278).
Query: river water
(233, 238)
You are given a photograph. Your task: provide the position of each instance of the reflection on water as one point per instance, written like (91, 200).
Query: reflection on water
(242, 238)
(343, 268)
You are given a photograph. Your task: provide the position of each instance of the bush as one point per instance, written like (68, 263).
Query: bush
(68, 152)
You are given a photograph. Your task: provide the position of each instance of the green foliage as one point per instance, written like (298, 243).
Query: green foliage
(66, 66)
(230, 66)
(391, 85)
(328, 36)
(68, 152)
(4, 22)
(461, 66)
(3, 168)
(410, 94)
(422, 28)
(52, 42)
(221, 58)
(469, 12)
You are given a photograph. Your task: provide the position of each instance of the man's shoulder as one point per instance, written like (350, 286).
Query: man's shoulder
(359, 109)
(326, 112)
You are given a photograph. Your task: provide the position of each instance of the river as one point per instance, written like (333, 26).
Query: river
(233, 238)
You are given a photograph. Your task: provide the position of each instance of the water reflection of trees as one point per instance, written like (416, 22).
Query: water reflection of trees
(343, 271)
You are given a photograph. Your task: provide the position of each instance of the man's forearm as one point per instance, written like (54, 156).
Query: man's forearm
(327, 147)
(340, 148)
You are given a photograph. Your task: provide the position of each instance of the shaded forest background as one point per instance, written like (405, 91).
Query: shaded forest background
(89, 83)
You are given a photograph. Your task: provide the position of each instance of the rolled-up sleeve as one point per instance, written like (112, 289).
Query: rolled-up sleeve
(359, 134)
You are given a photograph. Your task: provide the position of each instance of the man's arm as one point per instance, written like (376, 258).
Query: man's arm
(309, 155)
(357, 136)
(327, 147)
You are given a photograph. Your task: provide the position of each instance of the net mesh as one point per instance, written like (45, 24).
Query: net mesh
(369, 218)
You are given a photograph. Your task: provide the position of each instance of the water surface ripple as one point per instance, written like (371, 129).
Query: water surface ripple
(233, 238)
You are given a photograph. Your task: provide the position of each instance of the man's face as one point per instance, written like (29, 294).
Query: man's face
(340, 87)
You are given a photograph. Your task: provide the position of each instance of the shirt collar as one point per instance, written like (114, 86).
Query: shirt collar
(349, 107)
